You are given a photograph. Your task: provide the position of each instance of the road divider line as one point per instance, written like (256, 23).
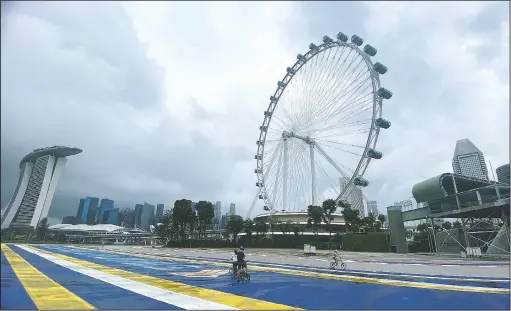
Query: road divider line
(205, 298)
(347, 278)
(44, 292)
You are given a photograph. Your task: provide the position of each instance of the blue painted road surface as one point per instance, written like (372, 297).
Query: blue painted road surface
(66, 278)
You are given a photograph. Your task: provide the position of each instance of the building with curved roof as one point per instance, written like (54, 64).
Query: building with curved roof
(300, 219)
(40, 171)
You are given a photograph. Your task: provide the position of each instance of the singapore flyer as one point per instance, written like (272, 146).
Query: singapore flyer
(321, 127)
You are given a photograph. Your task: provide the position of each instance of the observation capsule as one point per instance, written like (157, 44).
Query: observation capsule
(312, 46)
(300, 57)
(259, 142)
(327, 39)
(258, 157)
(273, 99)
(342, 37)
(281, 84)
(259, 184)
(266, 208)
(370, 50)
(258, 171)
(379, 68)
(382, 123)
(268, 113)
(263, 128)
(373, 154)
(357, 40)
(261, 196)
(384, 93)
(362, 182)
(290, 70)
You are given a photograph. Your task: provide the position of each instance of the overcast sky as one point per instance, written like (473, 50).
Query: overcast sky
(166, 98)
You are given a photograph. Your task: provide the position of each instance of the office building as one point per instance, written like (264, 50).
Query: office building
(138, 215)
(104, 206)
(218, 210)
(223, 221)
(69, 220)
(469, 161)
(503, 174)
(39, 175)
(372, 207)
(111, 217)
(87, 210)
(159, 212)
(232, 209)
(147, 216)
(127, 218)
(355, 196)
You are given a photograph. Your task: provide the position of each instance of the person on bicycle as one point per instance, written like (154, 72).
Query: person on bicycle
(336, 257)
(234, 259)
(241, 258)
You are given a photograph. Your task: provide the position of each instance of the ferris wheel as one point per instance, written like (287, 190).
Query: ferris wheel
(321, 127)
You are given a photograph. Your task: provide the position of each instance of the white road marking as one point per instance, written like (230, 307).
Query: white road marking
(172, 298)
(450, 265)
(381, 263)
(413, 264)
(487, 266)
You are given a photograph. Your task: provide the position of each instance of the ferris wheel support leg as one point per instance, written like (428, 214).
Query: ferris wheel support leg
(285, 175)
(313, 174)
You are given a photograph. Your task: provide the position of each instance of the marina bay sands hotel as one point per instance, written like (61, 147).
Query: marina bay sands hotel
(40, 171)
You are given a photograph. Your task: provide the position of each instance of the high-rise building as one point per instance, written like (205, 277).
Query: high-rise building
(87, 210)
(104, 206)
(69, 220)
(232, 209)
(111, 217)
(138, 215)
(372, 207)
(355, 198)
(147, 216)
(468, 160)
(159, 212)
(218, 210)
(503, 174)
(127, 218)
(39, 176)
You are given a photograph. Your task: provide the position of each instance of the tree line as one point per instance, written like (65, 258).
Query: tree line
(181, 223)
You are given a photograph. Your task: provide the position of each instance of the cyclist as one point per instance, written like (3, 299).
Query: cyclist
(240, 256)
(336, 257)
(234, 259)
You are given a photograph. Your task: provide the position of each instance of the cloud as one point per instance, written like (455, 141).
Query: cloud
(165, 98)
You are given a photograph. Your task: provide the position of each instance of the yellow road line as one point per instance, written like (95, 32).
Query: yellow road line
(46, 293)
(232, 300)
(343, 277)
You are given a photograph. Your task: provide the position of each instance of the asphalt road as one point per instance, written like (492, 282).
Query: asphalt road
(374, 262)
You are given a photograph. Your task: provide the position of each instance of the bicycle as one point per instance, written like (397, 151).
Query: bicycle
(243, 275)
(335, 264)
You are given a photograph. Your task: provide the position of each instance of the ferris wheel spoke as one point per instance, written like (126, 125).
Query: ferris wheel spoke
(341, 69)
(327, 102)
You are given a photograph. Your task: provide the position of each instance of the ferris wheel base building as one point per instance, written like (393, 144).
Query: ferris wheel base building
(40, 171)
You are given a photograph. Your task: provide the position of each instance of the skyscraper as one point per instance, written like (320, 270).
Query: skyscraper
(218, 210)
(147, 216)
(355, 198)
(159, 212)
(232, 209)
(39, 176)
(138, 215)
(105, 206)
(468, 160)
(372, 207)
(127, 217)
(503, 174)
(87, 210)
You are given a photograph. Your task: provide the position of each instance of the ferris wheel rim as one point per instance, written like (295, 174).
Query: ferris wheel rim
(372, 136)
